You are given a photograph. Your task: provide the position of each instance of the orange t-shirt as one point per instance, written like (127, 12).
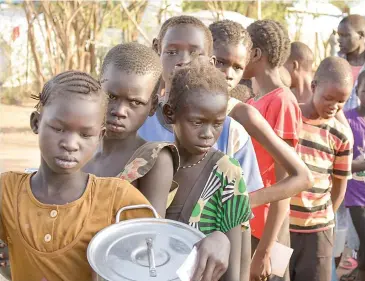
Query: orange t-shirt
(49, 242)
(281, 110)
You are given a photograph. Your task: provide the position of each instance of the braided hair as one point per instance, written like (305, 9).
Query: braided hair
(186, 20)
(272, 38)
(197, 75)
(230, 33)
(70, 82)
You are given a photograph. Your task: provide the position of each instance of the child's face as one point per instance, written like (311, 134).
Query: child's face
(69, 129)
(178, 45)
(198, 124)
(130, 101)
(329, 98)
(348, 38)
(231, 60)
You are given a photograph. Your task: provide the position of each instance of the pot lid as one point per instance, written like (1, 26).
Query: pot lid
(142, 249)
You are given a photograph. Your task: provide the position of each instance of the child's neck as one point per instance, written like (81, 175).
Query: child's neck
(186, 158)
(111, 146)
(303, 90)
(357, 58)
(53, 188)
(309, 111)
(268, 80)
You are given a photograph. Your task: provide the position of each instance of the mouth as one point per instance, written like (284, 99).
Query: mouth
(66, 162)
(203, 148)
(115, 127)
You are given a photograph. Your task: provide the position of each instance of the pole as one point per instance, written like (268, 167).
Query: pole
(259, 9)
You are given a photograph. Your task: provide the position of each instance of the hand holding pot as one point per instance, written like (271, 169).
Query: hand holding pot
(213, 257)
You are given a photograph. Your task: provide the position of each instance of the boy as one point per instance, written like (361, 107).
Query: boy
(299, 65)
(351, 34)
(325, 146)
(181, 38)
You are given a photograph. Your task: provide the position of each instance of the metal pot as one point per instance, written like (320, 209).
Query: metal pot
(148, 249)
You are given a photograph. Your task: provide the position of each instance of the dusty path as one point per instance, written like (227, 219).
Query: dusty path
(18, 144)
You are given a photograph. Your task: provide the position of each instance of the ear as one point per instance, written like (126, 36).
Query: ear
(256, 54)
(35, 119)
(168, 114)
(213, 60)
(154, 105)
(295, 65)
(155, 45)
(313, 86)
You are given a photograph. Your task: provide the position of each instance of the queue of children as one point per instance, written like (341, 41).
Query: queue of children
(177, 127)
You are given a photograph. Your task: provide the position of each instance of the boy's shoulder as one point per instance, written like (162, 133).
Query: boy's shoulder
(345, 133)
(12, 176)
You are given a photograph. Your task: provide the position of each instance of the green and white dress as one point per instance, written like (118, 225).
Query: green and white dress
(219, 203)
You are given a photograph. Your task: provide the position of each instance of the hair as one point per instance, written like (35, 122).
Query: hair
(334, 70)
(272, 38)
(230, 32)
(242, 92)
(186, 20)
(134, 58)
(356, 21)
(70, 82)
(301, 53)
(197, 75)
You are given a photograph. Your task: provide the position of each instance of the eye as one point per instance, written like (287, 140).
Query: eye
(86, 136)
(111, 96)
(219, 62)
(135, 102)
(238, 68)
(59, 130)
(197, 123)
(171, 52)
(218, 125)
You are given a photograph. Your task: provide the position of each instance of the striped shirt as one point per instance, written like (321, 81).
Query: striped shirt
(325, 148)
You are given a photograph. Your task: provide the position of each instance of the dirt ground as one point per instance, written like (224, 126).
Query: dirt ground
(19, 146)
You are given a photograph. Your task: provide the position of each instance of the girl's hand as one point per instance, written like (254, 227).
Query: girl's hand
(260, 267)
(213, 257)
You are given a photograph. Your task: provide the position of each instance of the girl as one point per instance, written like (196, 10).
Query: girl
(212, 192)
(232, 49)
(70, 123)
(130, 75)
(355, 194)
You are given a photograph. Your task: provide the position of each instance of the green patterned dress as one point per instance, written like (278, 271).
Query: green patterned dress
(224, 202)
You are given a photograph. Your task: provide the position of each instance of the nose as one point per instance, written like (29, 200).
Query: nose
(184, 59)
(120, 110)
(70, 142)
(228, 71)
(207, 133)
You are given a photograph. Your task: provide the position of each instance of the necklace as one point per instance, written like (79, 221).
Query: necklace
(192, 165)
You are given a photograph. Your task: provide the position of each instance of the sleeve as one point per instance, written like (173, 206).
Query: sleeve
(246, 156)
(284, 116)
(240, 147)
(130, 196)
(343, 160)
(235, 208)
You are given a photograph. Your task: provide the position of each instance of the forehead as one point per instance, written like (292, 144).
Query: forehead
(122, 81)
(338, 89)
(203, 101)
(345, 27)
(187, 35)
(82, 110)
(231, 52)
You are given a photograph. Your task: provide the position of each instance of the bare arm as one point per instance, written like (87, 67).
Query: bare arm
(338, 192)
(156, 184)
(245, 255)
(357, 166)
(233, 271)
(299, 178)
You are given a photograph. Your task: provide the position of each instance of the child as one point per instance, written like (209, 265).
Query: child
(351, 34)
(130, 74)
(212, 192)
(230, 40)
(355, 193)
(325, 146)
(279, 107)
(299, 65)
(46, 216)
(180, 39)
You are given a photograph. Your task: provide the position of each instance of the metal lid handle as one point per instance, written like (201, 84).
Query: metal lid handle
(134, 207)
